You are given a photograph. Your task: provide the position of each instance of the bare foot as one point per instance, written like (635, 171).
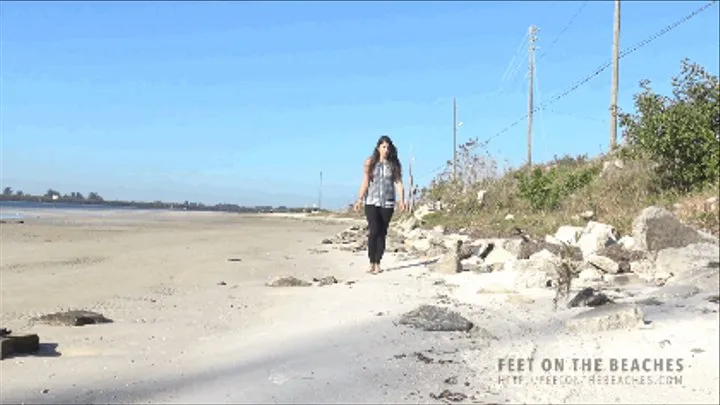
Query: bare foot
(378, 269)
(371, 270)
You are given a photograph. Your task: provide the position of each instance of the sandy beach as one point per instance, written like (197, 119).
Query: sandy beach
(193, 320)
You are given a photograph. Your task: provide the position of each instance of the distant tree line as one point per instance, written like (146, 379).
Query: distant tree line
(54, 196)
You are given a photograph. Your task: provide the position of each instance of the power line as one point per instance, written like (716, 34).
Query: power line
(567, 26)
(605, 66)
(595, 73)
(514, 64)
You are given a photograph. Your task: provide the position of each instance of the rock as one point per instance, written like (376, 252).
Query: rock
(587, 215)
(288, 281)
(523, 274)
(689, 259)
(552, 240)
(498, 255)
(487, 268)
(596, 236)
(435, 319)
(450, 263)
(509, 217)
(628, 242)
(448, 243)
(645, 269)
(696, 264)
(421, 245)
(604, 264)
(656, 229)
(605, 318)
(449, 396)
(73, 318)
(327, 280)
(621, 256)
(511, 245)
(715, 299)
(568, 234)
(588, 297)
(529, 247)
(675, 292)
(453, 380)
(468, 251)
(20, 344)
(542, 255)
(590, 274)
(408, 224)
(621, 279)
(471, 262)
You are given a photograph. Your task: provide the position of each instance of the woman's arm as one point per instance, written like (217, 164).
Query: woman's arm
(401, 192)
(365, 182)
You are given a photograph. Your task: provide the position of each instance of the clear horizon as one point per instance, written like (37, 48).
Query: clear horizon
(247, 102)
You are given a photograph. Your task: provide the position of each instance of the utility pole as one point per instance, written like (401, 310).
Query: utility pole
(454, 139)
(615, 74)
(320, 193)
(531, 49)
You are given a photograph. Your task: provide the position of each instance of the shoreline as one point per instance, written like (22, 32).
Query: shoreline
(188, 323)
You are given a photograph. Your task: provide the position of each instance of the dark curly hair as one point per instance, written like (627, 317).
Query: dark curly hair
(392, 157)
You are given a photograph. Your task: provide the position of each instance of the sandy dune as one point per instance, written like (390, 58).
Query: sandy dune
(192, 327)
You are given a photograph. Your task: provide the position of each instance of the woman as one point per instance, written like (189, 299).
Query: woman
(381, 174)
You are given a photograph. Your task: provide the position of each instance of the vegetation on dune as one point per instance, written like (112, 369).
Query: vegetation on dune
(670, 157)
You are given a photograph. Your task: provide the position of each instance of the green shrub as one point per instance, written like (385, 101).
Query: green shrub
(681, 135)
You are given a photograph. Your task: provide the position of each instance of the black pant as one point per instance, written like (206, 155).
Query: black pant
(378, 223)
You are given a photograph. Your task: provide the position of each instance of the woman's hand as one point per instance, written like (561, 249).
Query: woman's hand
(403, 206)
(357, 205)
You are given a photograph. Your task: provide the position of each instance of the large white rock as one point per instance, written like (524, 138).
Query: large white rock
(569, 234)
(596, 236)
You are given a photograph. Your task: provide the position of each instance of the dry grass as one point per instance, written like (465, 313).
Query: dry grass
(615, 197)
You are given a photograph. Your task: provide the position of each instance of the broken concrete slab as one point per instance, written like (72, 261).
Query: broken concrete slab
(73, 318)
(604, 264)
(622, 279)
(688, 259)
(605, 318)
(669, 292)
(656, 229)
(432, 318)
(19, 344)
(450, 263)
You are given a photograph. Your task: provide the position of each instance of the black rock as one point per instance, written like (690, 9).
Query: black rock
(73, 318)
(449, 396)
(327, 280)
(436, 319)
(587, 297)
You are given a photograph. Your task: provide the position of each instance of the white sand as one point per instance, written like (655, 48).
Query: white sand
(179, 337)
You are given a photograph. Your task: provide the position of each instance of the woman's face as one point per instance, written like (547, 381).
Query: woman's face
(383, 150)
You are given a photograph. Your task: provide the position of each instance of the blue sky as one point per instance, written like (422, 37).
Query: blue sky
(247, 102)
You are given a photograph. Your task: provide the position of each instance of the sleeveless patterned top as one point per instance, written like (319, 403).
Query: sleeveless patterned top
(381, 190)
